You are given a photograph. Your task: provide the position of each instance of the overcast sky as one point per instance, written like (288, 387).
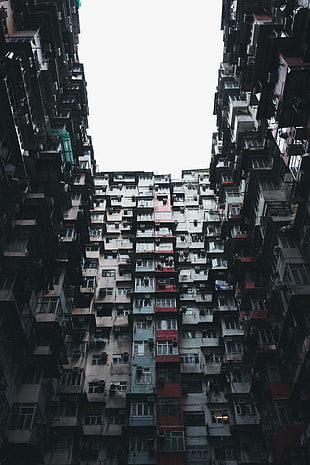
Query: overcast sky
(151, 70)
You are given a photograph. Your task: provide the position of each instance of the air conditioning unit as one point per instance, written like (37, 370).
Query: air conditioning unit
(161, 434)
(149, 318)
(150, 398)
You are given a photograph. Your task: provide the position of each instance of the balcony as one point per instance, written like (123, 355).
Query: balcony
(259, 314)
(212, 368)
(145, 420)
(217, 397)
(165, 285)
(271, 347)
(144, 285)
(165, 264)
(166, 309)
(191, 367)
(144, 265)
(141, 308)
(68, 422)
(198, 342)
(142, 457)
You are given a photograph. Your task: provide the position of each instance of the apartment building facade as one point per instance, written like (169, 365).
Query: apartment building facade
(145, 319)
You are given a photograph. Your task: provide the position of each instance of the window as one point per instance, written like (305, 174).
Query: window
(77, 350)
(194, 418)
(235, 209)
(266, 185)
(244, 407)
(22, 416)
(94, 419)
(95, 232)
(89, 282)
(168, 407)
(265, 336)
(106, 291)
(188, 334)
(49, 305)
(91, 263)
(166, 302)
(139, 444)
(219, 263)
(224, 453)
(298, 274)
(168, 375)
(103, 309)
(124, 291)
(173, 441)
(234, 347)
(72, 377)
(192, 385)
(208, 333)
(145, 264)
(166, 324)
(115, 416)
(68, 409)
(277, 208)
(110, 273)
(213, 246)
(144, 376)
(219, 416)
(120, 358)
(62, 444)
(118, 386)
(287, 242)
(96, 387)
(231, 323)
(68, 233)
(143, 324)
(99, 359)
(144, 247)
(6, 282)
(196, 452)
(238, 376)
(146, 281)
(122, 310)
(189, 358)
(142, 409)
(226, 301)
(92, 248)
(167, 348)
(122, 334)
(139, 303)
(226, 179)
(141, 348)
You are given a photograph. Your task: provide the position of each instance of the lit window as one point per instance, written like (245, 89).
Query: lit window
(220, 416)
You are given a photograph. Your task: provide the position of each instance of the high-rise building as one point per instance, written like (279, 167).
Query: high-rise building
(144, 319)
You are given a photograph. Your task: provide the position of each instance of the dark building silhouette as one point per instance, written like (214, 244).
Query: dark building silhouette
(145, 319)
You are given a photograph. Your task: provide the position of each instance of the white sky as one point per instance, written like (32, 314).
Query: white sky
(151, 70)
